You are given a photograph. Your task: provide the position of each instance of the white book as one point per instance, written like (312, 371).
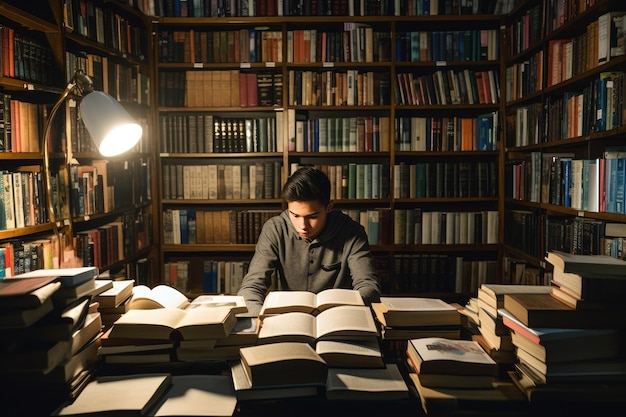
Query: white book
(18, 199)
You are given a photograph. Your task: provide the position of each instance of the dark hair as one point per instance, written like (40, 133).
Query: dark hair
(307, 184)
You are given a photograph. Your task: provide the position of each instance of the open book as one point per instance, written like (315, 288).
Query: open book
(338, 323)
(174, 323)
(278, 302)
(165, 296)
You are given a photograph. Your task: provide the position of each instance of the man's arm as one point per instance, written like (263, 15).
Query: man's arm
(365, 279)
(257, 281)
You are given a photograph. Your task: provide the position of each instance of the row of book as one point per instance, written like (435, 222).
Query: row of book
(561, 179)
(188, 226)
(334, 88)
(21, 125)
(447, 87)
(446, 179)
(204, 46)
(415, 273)
(259, 180)
(22, 198)
(340, 134)
(24, 57)
(208, 276)
(524, 78)
(447, 45)
(105, 26)
(448, 133)
(241, 8)
(418, 226)
(125, 82)
(219, 89)
(603, 40)
(576, 235)
(207, 133)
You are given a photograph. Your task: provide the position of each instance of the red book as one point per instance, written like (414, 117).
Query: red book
(252, 90)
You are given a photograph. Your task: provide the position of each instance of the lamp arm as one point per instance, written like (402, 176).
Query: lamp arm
(46, 164)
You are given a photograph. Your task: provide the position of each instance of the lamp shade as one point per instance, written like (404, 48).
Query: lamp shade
(112, 129)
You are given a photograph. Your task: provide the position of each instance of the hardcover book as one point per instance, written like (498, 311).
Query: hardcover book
(366, 384)
(413, 311)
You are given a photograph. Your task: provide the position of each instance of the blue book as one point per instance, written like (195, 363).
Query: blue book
(68, 277)
(600, 105)
(567, 181)
(619, 185)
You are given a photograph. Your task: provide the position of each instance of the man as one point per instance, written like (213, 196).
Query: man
(311, 246)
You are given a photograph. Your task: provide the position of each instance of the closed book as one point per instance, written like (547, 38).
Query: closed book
(415, 311)
(113, 297)
(69, 277)
(350, 354)
(27, 292)
(543, 310)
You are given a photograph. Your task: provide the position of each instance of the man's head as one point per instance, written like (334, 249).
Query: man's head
(307, 192)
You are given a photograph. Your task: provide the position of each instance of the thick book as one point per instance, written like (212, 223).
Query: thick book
(451, 381)
(174, 323)
(33, 356)
(339, 323)
(196, 395)
(365, 384)
(246, 392)
(280, 364)
(277, 302)
(543, 310)
(594, 265)
(415, 311)
(491, 296)
(245, 333)
(69, 277)
(450, 357)
(26, 292)
(133, 396)
(585, 288)
(17, 318)
(116, 295)
(350, 354)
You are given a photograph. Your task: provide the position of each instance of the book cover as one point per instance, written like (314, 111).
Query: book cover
(366, 384)
(415, 311)
(450, 357)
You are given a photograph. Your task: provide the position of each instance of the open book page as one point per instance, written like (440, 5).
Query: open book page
(278, 302)
(338, 296)
(295, 326)
(157, 297)
(346, 322)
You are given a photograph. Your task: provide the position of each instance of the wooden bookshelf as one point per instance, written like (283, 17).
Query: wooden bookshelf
(345, 105)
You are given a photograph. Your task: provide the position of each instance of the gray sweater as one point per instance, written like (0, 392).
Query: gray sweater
(338, 258)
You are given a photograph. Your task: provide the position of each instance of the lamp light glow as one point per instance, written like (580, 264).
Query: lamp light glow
(112, 129)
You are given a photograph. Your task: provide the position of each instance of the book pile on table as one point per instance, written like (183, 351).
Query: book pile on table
(148, 336)
(451, 374)
(333, 329)
(400, 319)
(49, 339)
(569, 342)
(493, 335)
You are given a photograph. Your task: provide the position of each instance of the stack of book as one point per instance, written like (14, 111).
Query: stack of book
(493, 335)
(567, 349)
(152, 335)
(335, 322)
(278, 370)
(403, 318)
(52, 348)
(450, 373)
(115, 301)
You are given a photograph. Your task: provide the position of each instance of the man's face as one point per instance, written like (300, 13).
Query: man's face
(308, 217)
